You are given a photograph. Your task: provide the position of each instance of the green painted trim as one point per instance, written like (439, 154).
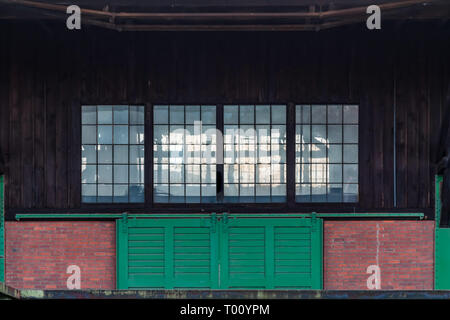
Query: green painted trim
(369, 215)
(438, 247)
(317, 254)
(2, 229)
(437, 199)
(122, 254)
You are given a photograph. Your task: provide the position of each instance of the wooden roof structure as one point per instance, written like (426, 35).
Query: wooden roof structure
(226, 15)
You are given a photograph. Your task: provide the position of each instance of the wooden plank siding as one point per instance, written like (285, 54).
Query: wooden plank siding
(48, 72)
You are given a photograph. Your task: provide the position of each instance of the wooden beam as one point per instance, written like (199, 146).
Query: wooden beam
(221, 15)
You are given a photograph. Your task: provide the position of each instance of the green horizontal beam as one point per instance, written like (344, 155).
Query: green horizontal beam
(421, 216)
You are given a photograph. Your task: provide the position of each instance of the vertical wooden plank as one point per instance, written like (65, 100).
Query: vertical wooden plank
(169, 256)
(269, 256)
(52, 59)
(15, 159)
(5, 88)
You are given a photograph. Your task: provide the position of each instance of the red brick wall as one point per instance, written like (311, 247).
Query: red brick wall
(38, 254)
(405, 254)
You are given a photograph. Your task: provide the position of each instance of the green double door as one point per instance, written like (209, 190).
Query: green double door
(219, 253)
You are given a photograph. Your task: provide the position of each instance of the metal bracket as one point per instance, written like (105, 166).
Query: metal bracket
(225, 221)
(314, 220)
(125, 222)
(213, 222)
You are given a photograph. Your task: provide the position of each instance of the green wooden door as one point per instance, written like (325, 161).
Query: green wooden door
(223, 253)
(167, 253)
(271, 253)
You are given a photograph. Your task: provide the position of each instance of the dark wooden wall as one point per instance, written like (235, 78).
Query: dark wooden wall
(47, 72)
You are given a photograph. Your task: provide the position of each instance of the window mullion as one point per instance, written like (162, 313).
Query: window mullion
(290, 154)
(219, 154)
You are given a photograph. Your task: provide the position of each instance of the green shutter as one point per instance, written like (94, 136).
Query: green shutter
(442, 249)
(234, 253)
(166, 253)
(270, 253)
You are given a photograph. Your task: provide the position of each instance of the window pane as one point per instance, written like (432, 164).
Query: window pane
(231, 114)
(89, 135)
(350, 134)
(136, 193)
(120, 134)
(161, 153)
(160, 173)
(177, 193)
(335, 193)
(350, 173)
(161, 114)
(231, 192)
(208, 114)
(263, 114)
(193, 174)
(246, 114)
(193, 193)
(350, 193)
(351, 114)
(192, 115)
(263, 193)
(120, 154)
(176, 114)
(334, 114)
(88, 174)
(351, 153)
(208, 193)
(306, 115)
(105, 193)
(120, 174)
(136, 174)
(88, 154)
(278, 114)
(120, 193)
(161, 193)
(105, 115)
(136, 134)
(121, 115)
(335, 134)
(105, 174)
(335, 153)
(263, 174)
(161, 134)
(89, 115)
(89, 193)
(318, 114)
(303, 192)
(137, 154)
(231, 173)
(137, 115)
(105, 154)
(105, 135)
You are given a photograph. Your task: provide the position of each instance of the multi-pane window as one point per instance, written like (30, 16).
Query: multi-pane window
(112, 157)
(184, 153)
(254, 153)
(326, 153)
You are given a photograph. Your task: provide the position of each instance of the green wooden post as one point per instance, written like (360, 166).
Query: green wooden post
(316, 253)
(122, 253)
